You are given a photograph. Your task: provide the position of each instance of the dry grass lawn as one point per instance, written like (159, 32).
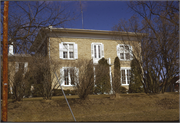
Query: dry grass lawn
(129, 107)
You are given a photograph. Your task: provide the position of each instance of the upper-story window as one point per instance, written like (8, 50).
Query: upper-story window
(125, 76)
(124, 52)
(68, 50)
(97, 51)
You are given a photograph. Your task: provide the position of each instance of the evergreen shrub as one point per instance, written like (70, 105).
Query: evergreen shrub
(102, 77)
(117, 76)
(135, 85)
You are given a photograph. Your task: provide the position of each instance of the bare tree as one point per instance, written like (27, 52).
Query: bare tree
(27, 18)
(84, 78)
(160, 47)
(25, 21)
(42, 70)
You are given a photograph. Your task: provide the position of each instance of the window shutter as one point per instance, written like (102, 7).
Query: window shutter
(77, 75)
(69, 77)
(75, 51)
(60, 50)
(102, 45)
(16, 66)
(25, 67)
(131, 53)
(118, 51)
(62, 76)
(92, 50)
(109, 61)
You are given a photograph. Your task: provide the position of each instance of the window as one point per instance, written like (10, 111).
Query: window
(125, 76)
(68, 50)
(21, 66)
(69, 75)
(97, 51)
(124, 52)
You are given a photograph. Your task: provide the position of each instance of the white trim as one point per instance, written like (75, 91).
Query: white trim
(62, 77)
(16, 66)
(178, 81)
(125, 68)
(61, 50)
(119, 51)
(95, 60)
(25, 67)
(111, 91)
(94, 76)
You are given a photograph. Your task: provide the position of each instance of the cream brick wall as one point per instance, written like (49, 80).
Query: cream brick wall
(84, 49)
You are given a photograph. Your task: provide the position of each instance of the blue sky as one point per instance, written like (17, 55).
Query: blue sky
(99, 15)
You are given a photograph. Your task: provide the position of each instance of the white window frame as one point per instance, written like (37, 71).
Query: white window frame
(95, 60)
(75, 50)
(125, 68)
(62, 75)
(25, 66)
(119, 51)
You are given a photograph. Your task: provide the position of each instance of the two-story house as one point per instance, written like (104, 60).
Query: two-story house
(70, 45)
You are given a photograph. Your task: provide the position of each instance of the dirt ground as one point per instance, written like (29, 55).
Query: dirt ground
(129, 107)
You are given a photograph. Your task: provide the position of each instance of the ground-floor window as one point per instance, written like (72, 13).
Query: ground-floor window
(125, 76)
(69, 75)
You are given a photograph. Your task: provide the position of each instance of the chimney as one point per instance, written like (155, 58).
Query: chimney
(11, 49)
(50, 27)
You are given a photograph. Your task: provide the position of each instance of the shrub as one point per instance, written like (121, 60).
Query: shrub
(57, 92)
(37, 92)
(117, 76)
(123, 89)
(18, 86)
(102, 77)
(135, 85)
(67, 92)
(73, 92)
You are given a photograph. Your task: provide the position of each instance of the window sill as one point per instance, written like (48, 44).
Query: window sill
(68, 58)
(124, 84)
(67, 85)
(125, 60)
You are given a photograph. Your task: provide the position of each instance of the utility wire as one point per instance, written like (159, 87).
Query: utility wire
(65, 97)
(82, 15)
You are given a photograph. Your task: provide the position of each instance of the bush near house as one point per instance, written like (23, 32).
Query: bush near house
(38, 89)
(85, 82)
(123, 89)
(135, 85)
(102, 77)
(18, 86)
(117, 76)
